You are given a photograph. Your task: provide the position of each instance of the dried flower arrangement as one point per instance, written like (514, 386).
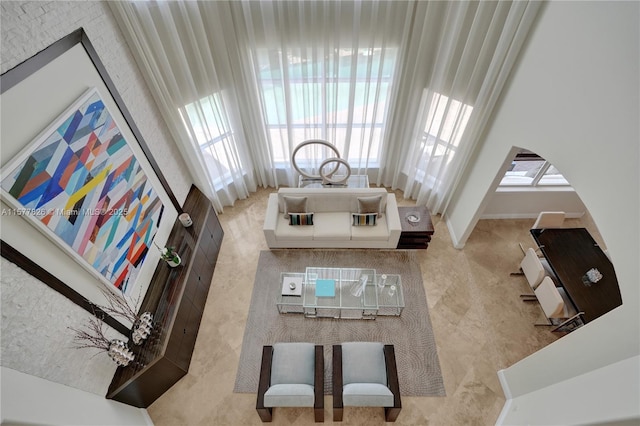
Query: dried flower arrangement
(93, 336)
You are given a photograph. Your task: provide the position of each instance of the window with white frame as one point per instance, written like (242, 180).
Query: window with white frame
(208, 124)
(446, 120)
(339, 95)
(529, 169)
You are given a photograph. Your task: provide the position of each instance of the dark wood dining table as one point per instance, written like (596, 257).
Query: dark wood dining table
(571, 252)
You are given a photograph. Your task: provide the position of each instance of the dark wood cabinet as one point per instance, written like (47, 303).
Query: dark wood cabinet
(176, 297)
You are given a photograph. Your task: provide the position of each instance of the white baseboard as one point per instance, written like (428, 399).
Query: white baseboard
(533, 216)
(507, 394)
(146, 416)
(503, 414)
(504, 384)
(454, 239)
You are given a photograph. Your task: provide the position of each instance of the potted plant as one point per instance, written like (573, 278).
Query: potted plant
(170, 256)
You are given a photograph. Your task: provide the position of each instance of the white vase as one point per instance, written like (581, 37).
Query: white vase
(142, 328)
(176, 262)
(120, 353)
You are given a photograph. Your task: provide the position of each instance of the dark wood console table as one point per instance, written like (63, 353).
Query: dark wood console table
(176, 297)
(415, 235)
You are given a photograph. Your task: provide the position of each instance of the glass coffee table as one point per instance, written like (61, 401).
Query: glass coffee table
(347, 293)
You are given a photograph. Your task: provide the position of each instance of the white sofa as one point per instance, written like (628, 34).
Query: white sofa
(332, 222)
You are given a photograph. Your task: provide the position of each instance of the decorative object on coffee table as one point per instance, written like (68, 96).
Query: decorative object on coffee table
(417, 227)
(292, 284)
(325, 288)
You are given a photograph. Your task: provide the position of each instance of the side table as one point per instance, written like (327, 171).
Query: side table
(415, 235)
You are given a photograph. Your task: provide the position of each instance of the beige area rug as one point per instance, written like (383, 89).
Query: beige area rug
(411, 333)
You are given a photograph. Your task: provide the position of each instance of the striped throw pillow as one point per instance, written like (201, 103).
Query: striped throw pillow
(300, 218)
(368, 219)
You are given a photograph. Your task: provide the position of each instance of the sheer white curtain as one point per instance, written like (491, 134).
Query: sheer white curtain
(192, 60)
(242, 83)
(456, 62)
(403, 87)
(324, 70)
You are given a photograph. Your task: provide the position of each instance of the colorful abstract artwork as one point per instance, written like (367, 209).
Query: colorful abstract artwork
(81, 184)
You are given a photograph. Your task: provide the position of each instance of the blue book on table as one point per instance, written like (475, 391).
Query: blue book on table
(325, 288)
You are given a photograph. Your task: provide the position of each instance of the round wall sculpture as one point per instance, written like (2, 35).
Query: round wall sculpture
(327, 178)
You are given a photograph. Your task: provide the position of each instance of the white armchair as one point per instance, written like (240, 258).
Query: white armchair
(365, 375)
(291, 375)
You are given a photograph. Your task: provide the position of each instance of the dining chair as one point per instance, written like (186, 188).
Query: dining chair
(549, 220)
(535, 270)
(556, 305)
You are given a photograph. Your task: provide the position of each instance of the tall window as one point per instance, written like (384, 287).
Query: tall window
(339, 95)
(529, 169)
(445, 122)
(209, 125)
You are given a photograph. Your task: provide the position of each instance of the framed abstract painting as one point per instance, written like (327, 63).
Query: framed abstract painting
(81, 185)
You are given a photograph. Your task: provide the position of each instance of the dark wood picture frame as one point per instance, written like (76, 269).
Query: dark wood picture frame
(14, 77)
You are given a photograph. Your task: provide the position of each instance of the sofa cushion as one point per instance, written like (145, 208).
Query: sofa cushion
(286, 232)
(289, 395)
(332, 226)
(380, 232)
(294, 205)
(370, 204)
(366, 395)
(331, 202)
(363, 362)
(296, 219)
(367, 219)
(331, 199)
(293, 363)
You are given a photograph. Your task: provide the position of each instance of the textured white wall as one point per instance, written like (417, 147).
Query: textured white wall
(29, 27)
(515, 203)
(35, 339)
